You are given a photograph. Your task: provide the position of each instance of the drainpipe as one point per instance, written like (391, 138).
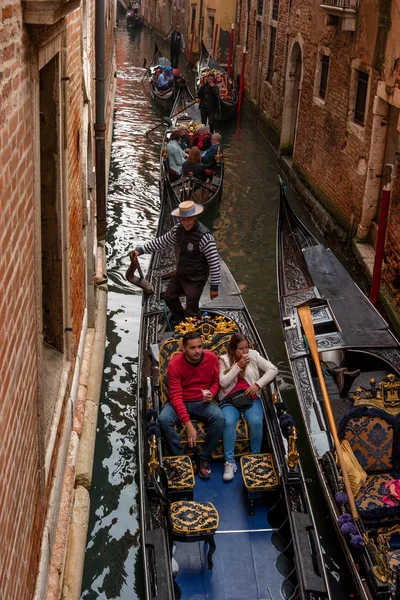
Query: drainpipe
(380, 243)
(100, 126)
(65, 207)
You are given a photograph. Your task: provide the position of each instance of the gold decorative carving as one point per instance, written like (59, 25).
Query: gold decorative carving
(385, 395)
(293, 454)
(153, 462)
(381, 569)
(164, 153)
(207, 327)
(219, 156)
(275, 397)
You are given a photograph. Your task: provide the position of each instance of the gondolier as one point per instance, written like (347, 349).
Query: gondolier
(208, 95)
(177, 44)
(198, 258)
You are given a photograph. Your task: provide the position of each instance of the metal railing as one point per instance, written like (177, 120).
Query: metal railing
(353, 4)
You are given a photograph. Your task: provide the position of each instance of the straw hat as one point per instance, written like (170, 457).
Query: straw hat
(187, 209)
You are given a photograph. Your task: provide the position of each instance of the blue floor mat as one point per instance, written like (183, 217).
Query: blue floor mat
(244, 560)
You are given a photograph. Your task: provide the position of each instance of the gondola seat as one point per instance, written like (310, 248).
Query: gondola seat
(259, 475)
(374, 436)
(194, 522)
(180, 475)
(216, 339)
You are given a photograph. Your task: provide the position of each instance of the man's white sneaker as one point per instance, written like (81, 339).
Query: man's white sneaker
(230, 469)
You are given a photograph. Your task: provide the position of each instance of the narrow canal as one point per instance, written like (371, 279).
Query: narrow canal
(245, 233)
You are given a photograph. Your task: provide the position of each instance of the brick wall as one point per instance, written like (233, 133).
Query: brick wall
(21, 515)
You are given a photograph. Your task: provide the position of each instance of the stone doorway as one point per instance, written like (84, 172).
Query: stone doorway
(292, 100)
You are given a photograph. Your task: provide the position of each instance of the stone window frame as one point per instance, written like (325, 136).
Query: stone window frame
(317, 99)
(353, 127)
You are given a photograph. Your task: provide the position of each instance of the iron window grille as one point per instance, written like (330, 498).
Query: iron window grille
(324, 76)
(275, 10)
(271, 56)
(361, 98)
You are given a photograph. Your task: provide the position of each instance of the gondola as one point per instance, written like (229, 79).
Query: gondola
(165, 98)
(186, 112)
(133, 20)
(361, 364)
(265, 544)
(227, 89)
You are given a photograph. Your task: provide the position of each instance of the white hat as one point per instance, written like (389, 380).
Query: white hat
(188, 208)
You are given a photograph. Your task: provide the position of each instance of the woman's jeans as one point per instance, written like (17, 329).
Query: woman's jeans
(254, 417)
(207, 412)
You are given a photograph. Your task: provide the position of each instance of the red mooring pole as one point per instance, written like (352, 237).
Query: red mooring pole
(241, 80)
(215, 41)
(380, 243)
(191, 46)
(230, 49)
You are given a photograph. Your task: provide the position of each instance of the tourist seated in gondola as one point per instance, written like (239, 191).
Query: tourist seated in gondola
(241, 384)
(164, 80)
(185, 138)
(176, 156)
(192, 386)
(202, 138)
(193, 167)
(208, 157)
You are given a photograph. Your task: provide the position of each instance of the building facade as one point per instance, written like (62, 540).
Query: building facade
(325, 76)
(48, 260)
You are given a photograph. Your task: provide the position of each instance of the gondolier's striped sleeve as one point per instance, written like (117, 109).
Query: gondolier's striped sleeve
(159, 243)
(208, 246)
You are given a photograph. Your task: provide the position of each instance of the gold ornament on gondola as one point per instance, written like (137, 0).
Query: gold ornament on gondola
(380, 556)
(219, 156)
(207, 327)
(164, 153)
(153, 462)
(293, 454)
(385, 395)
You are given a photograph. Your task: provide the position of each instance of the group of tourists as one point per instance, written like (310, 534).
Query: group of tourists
(192, 154)
(196, 377)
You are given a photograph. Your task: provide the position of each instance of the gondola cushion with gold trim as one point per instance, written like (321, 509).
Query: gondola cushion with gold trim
(369, 502)
(192, 518)
(259, 473)
(371, 439)
(242, 444)
(180, 474)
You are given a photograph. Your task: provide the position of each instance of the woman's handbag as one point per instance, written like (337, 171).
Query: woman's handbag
(239, 400)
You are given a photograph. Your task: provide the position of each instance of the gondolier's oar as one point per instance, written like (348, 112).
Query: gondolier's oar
(169, 122)
(308, 328)
(139, 281)
(157, 52)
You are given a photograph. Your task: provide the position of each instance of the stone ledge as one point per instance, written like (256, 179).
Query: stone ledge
(47, 12)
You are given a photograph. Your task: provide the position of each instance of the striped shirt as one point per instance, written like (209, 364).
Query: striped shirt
(207, 246)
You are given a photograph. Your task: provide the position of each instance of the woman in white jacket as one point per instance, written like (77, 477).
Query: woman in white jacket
(239, 371)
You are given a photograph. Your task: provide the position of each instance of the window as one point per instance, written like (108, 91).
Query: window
(260, 7)
(193, 18)
(271, 56)
(361, 98)
(324, 75)
(275, 10)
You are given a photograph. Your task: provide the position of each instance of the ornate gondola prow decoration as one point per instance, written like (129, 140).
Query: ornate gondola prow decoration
(219, 156)
(385, 395)
(293, 454)
(153, 462)
(206, 326)
(381, 569)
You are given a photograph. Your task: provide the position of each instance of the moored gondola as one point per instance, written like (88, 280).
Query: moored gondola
(228, 97)
(350, 406)
(186, 114)
(133, 19)
(265, 544)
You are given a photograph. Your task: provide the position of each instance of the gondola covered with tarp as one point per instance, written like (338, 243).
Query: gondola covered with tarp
(228, 97)
(345, 363)
(185, 117)
(251, 538)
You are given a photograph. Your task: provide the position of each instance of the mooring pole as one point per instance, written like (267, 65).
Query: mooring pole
(191, 47)
(230, 49)
(380, 242)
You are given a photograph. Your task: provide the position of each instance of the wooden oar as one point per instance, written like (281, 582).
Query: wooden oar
(308, 327)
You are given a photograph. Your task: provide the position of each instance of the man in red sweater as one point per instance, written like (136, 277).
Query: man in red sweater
(193, 381)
